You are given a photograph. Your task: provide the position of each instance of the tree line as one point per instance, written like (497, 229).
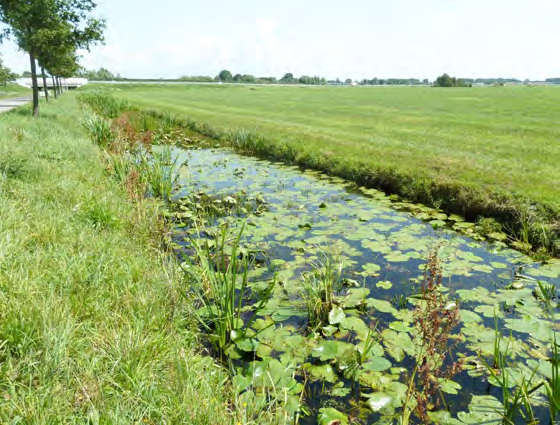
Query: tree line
(51, 32)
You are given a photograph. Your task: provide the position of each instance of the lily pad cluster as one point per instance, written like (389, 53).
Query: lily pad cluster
(356, 365)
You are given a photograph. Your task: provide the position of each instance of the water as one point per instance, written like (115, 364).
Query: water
(310, 215)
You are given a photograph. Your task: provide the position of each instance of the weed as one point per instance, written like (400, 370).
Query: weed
(435, 318)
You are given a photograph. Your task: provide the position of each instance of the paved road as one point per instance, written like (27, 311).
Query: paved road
(9, 104)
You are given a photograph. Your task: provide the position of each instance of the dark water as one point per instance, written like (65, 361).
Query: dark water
(382, 249)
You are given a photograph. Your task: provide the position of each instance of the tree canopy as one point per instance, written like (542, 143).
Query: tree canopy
(5, 74)
(51, 32)
(225, 76)
(446, 80)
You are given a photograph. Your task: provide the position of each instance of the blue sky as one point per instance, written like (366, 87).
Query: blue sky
(350, 39)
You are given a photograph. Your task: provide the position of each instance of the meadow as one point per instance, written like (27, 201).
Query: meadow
(92, 323)
(13, 90)
(479, 151)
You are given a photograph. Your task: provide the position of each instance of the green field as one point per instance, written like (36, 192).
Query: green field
(13, 90)
(92, 325)
(479, 151)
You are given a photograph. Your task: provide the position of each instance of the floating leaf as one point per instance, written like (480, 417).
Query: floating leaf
(331, 416)
(336, 315)
(384, 284)
(379, 401)
(377, 364)
(330, 350)
(468, 316)
(448, 386)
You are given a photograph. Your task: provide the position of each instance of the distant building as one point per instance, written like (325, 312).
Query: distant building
(68, 83)
(479, 85)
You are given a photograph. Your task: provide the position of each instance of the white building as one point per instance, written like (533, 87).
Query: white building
(68, 83)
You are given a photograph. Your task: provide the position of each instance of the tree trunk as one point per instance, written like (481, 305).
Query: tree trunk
(45, 87)
(59, 85)
(54, 87)
(34, 84)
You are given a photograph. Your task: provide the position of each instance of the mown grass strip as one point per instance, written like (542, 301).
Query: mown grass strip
(93, 327)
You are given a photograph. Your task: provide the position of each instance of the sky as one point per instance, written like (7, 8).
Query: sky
(345, 39)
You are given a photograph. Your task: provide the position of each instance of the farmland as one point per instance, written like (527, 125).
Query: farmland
(479, 151)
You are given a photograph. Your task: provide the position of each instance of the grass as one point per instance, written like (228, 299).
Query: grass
(13, 90)
(93, 326)
(478, 152)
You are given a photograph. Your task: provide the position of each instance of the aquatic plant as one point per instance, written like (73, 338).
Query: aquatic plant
(106, 105)
(516, 400)
(552, 383)
(160, 171)
(221, 277)
(320, 287)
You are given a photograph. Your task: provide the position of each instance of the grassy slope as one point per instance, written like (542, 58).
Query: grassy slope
(493, 139)
(92, 325)
(13, 90)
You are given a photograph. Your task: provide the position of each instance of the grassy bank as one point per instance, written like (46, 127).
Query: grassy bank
(92, 325)
(479, 153)
(13, 90)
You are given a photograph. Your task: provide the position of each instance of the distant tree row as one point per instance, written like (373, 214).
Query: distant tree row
(226, 76)
(51, 32)
(101, 74)
(394, 82)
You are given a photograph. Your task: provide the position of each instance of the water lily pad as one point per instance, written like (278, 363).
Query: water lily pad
(384, 284)
(468, 316)
(331, 416)
(377, 364)
(330, 350)
(336, 315)
(324, 372)
(371, 269)
(379, 401)
(449, 387)
(380, 305)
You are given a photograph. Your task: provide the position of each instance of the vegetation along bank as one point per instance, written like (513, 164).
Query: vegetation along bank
(92, 320)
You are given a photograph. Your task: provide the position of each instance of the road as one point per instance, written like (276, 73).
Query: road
(9, 104)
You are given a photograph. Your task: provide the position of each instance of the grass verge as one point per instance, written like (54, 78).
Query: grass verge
(13, 90)
(93, 327)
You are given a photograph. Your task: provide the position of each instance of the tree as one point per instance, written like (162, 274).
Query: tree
(225, 76)
(5, 75)
(446, 80)
(288, 78)
(41, 27)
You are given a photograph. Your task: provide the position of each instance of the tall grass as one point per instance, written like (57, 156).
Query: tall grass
(92, 324)
(222, 289)
(160, 170)
(99, 130)
(320, 288)
(552, 384)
